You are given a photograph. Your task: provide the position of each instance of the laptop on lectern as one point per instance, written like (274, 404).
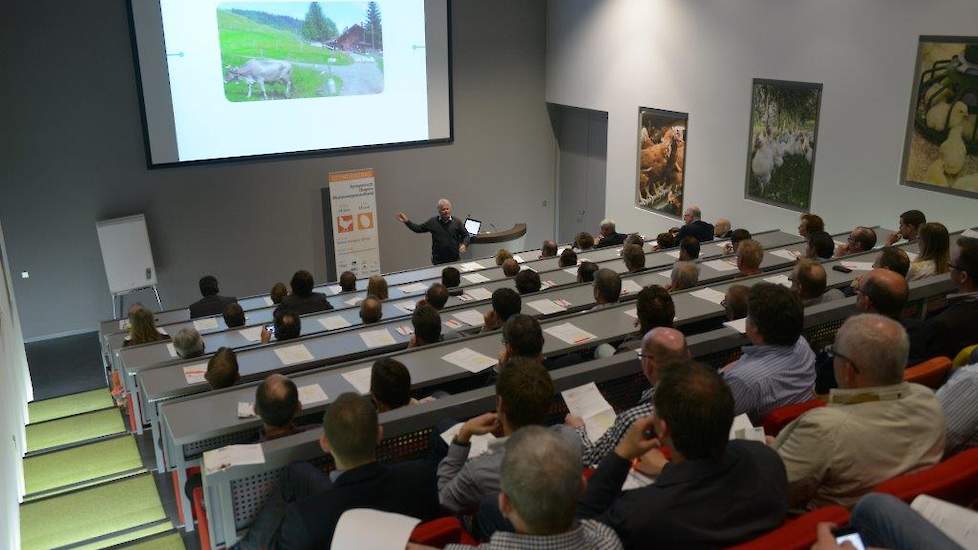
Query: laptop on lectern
(472, 226)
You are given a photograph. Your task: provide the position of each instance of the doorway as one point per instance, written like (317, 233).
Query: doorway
(582, 156)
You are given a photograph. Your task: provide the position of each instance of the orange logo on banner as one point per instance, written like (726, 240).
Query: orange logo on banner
(344, 223)
(365, 220)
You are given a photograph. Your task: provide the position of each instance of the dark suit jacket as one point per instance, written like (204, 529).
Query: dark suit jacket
(615, 239)
(946, 332)
(310, 304)
(699, 229)
(210, 305)
(694, 504)
(406, 488)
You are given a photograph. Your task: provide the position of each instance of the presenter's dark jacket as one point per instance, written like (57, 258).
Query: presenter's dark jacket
(306, 304)
(446, 236)
(693, 504)
(210, 305)
(700, 229)
(407, 488)
(615, 239)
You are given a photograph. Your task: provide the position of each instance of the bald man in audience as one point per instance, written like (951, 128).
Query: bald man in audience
(277, 404)
(878, 426)
(684, 275)
(808, 280)
(634, 258)
(663, 348)
(860, 239)
(750, 254)
(549, 249)
(694, 226)
(895, 259)
(607, 289)
(721, 229)
(883, 291)
(510, 267)
(735, 302)
(371, 310)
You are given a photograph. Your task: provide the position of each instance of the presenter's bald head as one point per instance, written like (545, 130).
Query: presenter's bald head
(444, 208)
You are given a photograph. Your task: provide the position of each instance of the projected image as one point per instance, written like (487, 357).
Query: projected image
(662, 161)
(290, 50)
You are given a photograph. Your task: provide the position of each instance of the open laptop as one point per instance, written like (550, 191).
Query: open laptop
(472, 226)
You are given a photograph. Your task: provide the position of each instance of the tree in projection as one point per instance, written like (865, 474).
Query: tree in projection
(317, 27)
(372, 27)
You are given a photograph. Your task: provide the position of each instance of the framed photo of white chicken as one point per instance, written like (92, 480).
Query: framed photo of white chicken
(661, 161)
(941, 150)
(783, 135)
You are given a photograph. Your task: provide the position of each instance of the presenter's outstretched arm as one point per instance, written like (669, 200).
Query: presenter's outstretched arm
(403, 218)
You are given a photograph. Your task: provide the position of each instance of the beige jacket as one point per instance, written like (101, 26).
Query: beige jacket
(837, 453)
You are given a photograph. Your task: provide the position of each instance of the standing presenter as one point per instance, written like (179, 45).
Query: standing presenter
(448, 235)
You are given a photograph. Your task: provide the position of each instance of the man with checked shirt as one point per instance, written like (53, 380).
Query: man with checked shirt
(662, 348)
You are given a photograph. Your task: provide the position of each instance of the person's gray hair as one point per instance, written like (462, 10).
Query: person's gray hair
(878, 346)
(608, 222)
(445, 201)
(188, 343)
(541, 476)
(685, 275)
(695, 212)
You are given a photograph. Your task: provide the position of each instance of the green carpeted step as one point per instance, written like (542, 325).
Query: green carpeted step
(74, 429)
(79, 464)
(93, 512)
(76, 403)
(135, 536)
(173, 541)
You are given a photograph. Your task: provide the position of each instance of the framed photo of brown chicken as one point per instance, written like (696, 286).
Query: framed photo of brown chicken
(661, 161)
(941, 148)
(781, 150)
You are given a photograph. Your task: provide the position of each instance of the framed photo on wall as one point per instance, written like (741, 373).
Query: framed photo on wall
(661, 182)
(781, 146)
(941, 147)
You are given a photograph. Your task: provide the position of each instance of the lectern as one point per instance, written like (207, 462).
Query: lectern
(486, 243)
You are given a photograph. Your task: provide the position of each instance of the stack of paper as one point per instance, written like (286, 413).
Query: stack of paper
(743, 429)
(782, 280)
(519, 259)
(628, 286)
(470, 317)
(479, 293)
(740, 325)
(478, 444)
(195, 373)
(366, 528)
(334, 322)
(721, 265)
(709, 294)
(246, 409)
(412, 288)
(233, 455)
(377, 338)
(405, 330)
(251, 334)
(858, 266)
(475, 278)
(209, 323)
(546, 307)
(353, 301)
(470, 360)
(291, 355)
(171, 350)
(359, 379)
(786, 254)
(570, 333)
(470, 266)
(587, 403)
(312, 394)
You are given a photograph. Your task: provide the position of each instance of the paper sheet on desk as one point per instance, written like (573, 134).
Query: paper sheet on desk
(786, 254)
(960, 524)
(368, 529)
(406, 306)
(205, 324)
(858, 266)
(571, 271)
(233, 455)
(475, 278)
(743, 429)
(720, 265)
(570, 333)
(470, 266)
(519, 259)
(479, 293)
(334, 322)
(782, 280)
(359, 379)
(709, 294)
(353, 301)
(195, 373)
(636, 480)
(546, 307)
(478, 444)
(334, 289)
(588, 403)
(268, 301)
(171, 350)
(412, 288)
(251, 334)
(312, 394)
(673, 253)
(377, 338)
(246, 409)
(629, 286)
(740, 325)
(290, 355)
(470, 317)
(470, 360)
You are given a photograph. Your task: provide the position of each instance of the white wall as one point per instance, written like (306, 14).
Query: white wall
(699, 56)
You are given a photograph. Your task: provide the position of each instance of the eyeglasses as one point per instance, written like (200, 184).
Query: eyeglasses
(833, 353)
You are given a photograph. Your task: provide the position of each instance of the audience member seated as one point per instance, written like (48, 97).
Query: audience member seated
(654, 308)
(665, 240)
(427, 326)
(222, 369)
(861, 239)
(524, 394)
(451, 278)
(568, 258)
(778, 367)
(527, 281)
(142, 327)
(662, 348)
(280, 291)
(390, 385)
(586, 271)
(377, 287)
(584, 241)
(506, 302)
(735, 302)
(287, 325)
(721, 229)
(607, 288)
(634, 258)
(694, 226)
(750, 254)
(510, 267)
(821, 246)
(211, 303)
(884, 521)
(303, 300)
(351, 432)
(522, 337)
(234, 316)
(684, 275)
(935, 245)
(635, 239)
(875, 427)
(808, 280)
(348, 282)
(689, 249)
(895, 259)
(810, 223)
(958, 397)
(910, 222)
(371, 310)
(502, 255)
(188, 343)
(609, 236)
(277, 404)
(437, 296)
(737, 236)
(956, 326)
(712, 493)
(882, 291)
(548, 250)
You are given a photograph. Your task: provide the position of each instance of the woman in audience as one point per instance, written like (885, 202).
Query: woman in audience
(377, 286)
(279, 291)
(142, 328)
(935, 246)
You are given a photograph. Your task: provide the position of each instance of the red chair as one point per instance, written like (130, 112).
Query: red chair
(442, 531)
(203, 533)
(954, 480)
(780, 417)
(931, 373)
(798, 533)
